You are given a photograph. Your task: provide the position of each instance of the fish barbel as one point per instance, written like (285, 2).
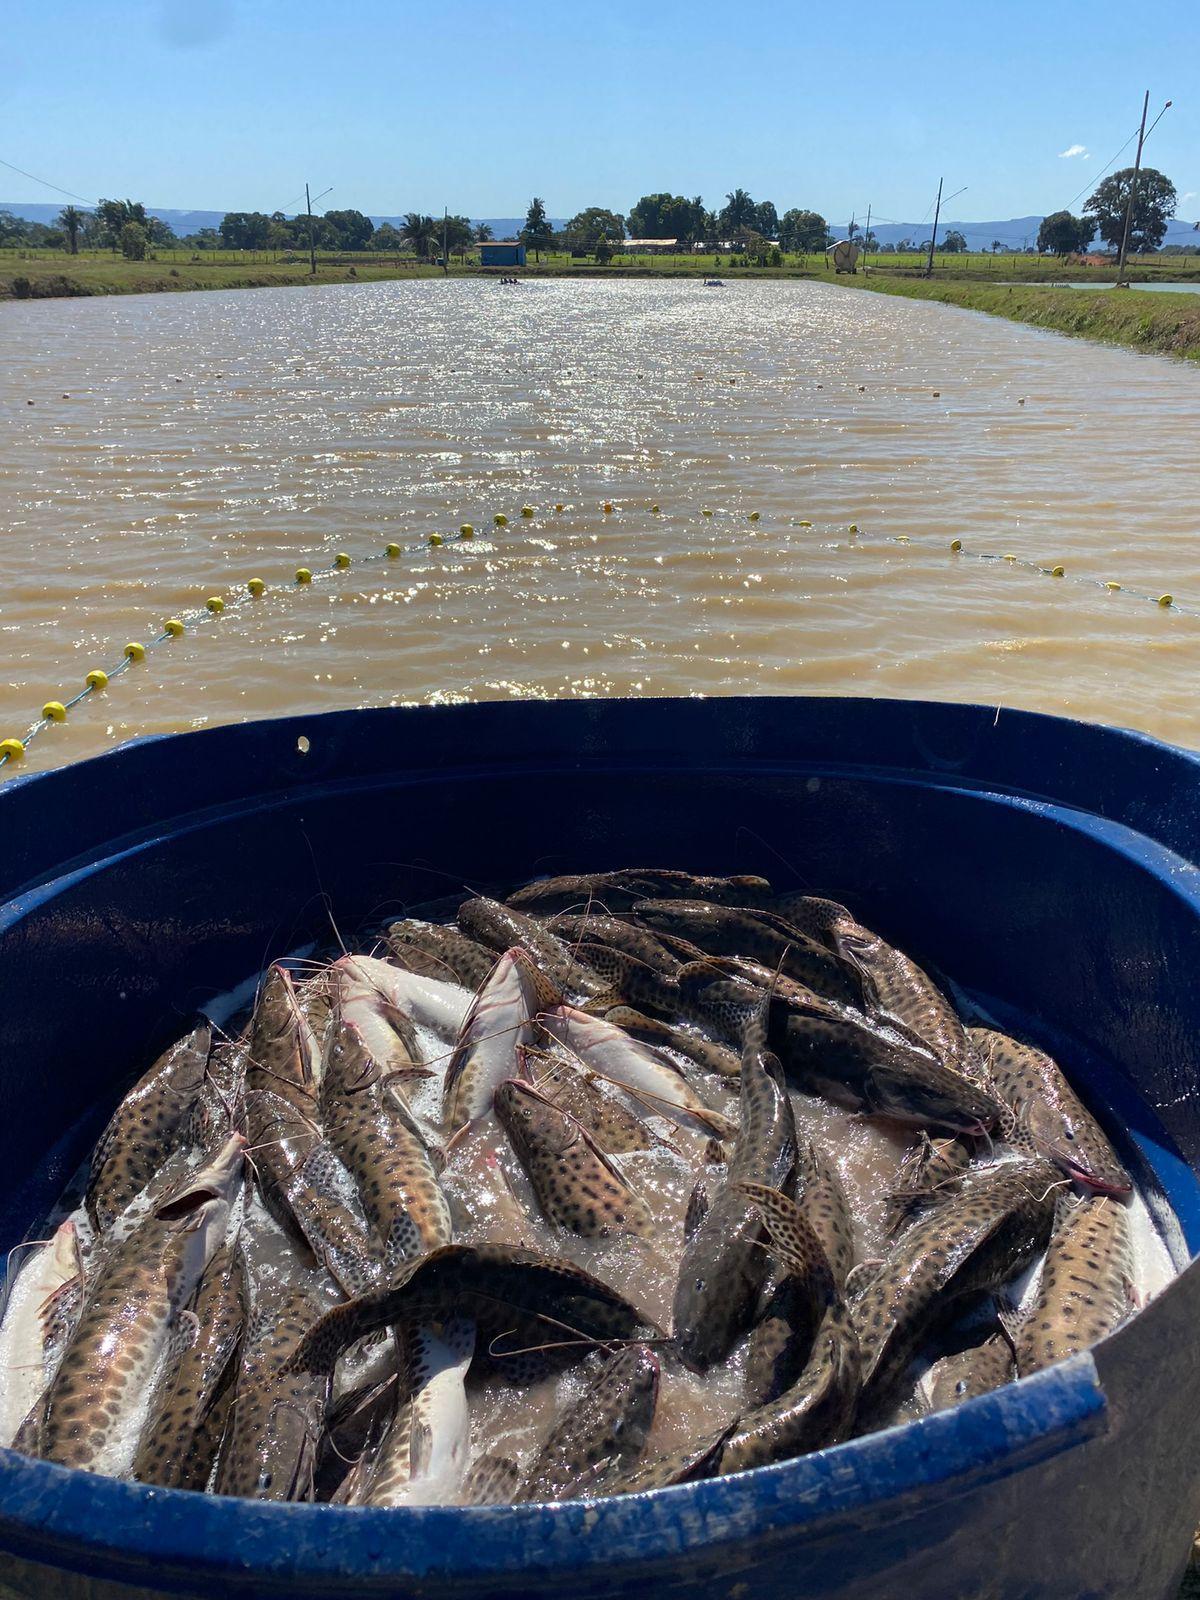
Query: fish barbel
(707, 1053)
(378, 995)
(597, 928)
(618, 891)
(146, 1127)
(435, 951)
(572, 1087)
(1049, 1116)
(130, 1315)
(602, 1434)
(280, 1051)
(655, 1084)
(501, 928)
(577, 1185)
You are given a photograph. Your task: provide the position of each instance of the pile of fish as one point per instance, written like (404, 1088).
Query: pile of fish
(631, 1179)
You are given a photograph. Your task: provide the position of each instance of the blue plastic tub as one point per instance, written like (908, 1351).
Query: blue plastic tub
(1044, 864)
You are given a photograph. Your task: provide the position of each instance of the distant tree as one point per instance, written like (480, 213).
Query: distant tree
(160, 232)
(12, 230)
(766, 219)
(953, 243)
(483, 232)
(852, 229)
(350, 229)
(418, 233)
(1061, 234)
(803, 230)
(905, 245)
(134, 239)
(386, 237)
(114, 214)
(738, 213)
(246, 230)
(1154, 205)
(584, 231)
(70, 220)
(537, 232)
(458, 234)
(887, 249)
(868, 240)
(996, 246)
(603, 250)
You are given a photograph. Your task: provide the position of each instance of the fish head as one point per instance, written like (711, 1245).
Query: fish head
(931, 1096)
(539, 993)
(533, 1123)
(66, 1255)
(349, 1065)
(1076, 1145)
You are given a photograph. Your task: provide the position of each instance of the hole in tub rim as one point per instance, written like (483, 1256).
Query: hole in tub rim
(109, 1528)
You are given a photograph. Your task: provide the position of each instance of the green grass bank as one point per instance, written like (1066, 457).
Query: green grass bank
(1164, 323)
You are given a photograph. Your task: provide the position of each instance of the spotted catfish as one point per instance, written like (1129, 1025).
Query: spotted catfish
(994, 1224)
(926, 1171)
(1086, 1285)
(502, 928)
(723, 1265)
(620, 890)
(439, 952)
(179, 1438)
(596, 928)
(602, 1435)
(737, 931)
(694, 1046)
(40, 1312)
(499, 1023)
(131, 1316)
(655, 1084)
(504, 1287)
(422, 1456)
(277, 1418)
(983, 1365)
(147, 1127)
(377, 1138)
(572, 1087)
(577, 1185)
(1047, 1115)
(280, 1058)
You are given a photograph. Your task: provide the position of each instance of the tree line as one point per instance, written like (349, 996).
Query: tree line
(742, 223)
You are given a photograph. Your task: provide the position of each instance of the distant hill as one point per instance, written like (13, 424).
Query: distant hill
(1014, 233)
(184, 222)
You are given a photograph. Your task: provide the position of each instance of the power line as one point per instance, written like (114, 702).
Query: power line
(1093, 181)
(33, 178)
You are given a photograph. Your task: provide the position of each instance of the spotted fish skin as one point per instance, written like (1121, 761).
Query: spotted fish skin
(129, 1316)
(994, 1224)
(736, 931)
(145, 1128)
(602, 1435)
(723, 1265)
(903, 994)
(491, 1480)
(783, 1338)
(496, 1284)
(503, 928)
(308, 1191)
(499, 1023)
(571, 1087)
(707, 1053)
(439, 952)
(698, 1459)
(277, 1419)
(384, 1151)
(965, 1374)
(577, 1186)
(1048, 1115)
(926, 1171)
(1085, 1287)
(422, 1457)
(41, 1308)
(175, 1449)
(822, 1199)
(620, 890)
(816, 1411)
(597, 928)
(279, 1059)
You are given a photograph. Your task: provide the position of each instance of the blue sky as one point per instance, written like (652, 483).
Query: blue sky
(228, 104)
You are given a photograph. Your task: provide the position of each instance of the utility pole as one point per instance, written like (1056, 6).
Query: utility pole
(933, 236)
(1137, 167)
(445, 232)
(866, 244)
(312, 246)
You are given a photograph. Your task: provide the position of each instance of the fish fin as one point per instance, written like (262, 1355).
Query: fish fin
(59, 1311)
(792, 1235)
(860, 1276)
(182, 1336)
(714, 1153)
(1010, 1319)
(697, 1208)
(420, 1446)
(491, 1480)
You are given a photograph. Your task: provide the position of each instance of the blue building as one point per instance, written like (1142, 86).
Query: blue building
(501, 255)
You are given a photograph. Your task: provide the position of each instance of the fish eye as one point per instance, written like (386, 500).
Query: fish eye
(1070, 1134)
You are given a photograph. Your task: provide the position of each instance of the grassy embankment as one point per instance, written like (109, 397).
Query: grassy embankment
(1165, 323)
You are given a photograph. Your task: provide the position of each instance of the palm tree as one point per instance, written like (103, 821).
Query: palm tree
(419, 232)
(483, 233)
(70, 220)
(738, 214)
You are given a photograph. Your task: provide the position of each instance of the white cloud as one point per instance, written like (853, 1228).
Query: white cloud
(1190, 195)
(1074, 150)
